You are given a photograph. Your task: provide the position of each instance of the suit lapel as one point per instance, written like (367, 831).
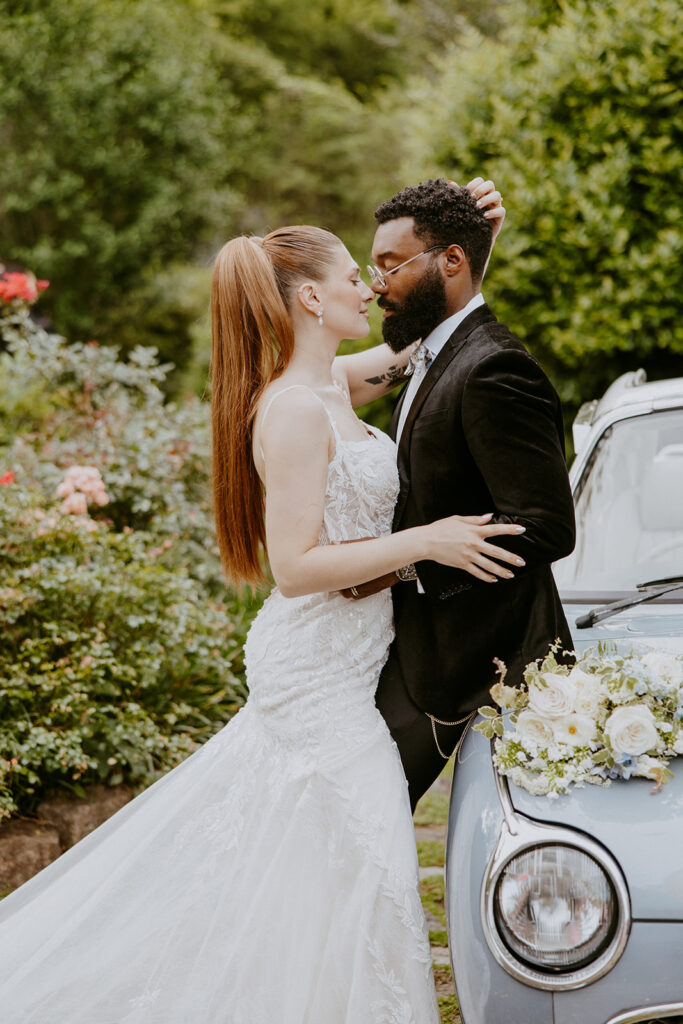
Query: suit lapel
(476, 318)
(396, 414)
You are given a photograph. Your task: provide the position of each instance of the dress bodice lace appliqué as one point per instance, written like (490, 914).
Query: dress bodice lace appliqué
(313, 662)
(362, 482)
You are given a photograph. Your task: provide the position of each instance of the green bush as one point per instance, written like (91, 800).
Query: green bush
(122, 648)
(577, 119)
(112, 667)
(63, 405)
(116, 149)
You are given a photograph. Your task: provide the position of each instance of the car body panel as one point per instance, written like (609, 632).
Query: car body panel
(641, 830)
(651, 968)
(649, 972)
(480, 982)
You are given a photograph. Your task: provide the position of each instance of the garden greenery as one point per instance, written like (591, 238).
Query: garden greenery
(122, 649)
(577, 120)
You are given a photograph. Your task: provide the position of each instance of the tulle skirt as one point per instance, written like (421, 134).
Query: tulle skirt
(245, 887)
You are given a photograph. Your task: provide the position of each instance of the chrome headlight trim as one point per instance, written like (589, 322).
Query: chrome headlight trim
(643, 1013)
(518, 834)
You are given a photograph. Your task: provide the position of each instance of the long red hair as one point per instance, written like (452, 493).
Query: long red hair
(252, 340)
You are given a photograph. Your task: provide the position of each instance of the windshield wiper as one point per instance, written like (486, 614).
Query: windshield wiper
(653, 587)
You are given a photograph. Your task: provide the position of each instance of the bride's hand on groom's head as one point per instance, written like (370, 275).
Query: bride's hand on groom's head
(463, 542)
(489, 200)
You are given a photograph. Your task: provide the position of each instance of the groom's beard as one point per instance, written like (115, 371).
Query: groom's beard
(421, 311)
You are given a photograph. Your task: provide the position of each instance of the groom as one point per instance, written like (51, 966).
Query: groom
(479, 429)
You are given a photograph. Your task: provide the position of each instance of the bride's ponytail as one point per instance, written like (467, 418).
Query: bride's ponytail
(252, 341)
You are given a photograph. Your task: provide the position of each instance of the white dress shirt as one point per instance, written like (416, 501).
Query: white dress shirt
(435, 342)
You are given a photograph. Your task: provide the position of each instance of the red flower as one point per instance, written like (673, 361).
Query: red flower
(7, 478)
(14, 285)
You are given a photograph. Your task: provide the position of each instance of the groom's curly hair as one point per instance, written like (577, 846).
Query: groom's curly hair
(444, 214)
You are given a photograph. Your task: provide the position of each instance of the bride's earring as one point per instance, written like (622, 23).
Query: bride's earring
(320, 316)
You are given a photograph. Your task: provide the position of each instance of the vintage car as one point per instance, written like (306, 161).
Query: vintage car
(570, 910)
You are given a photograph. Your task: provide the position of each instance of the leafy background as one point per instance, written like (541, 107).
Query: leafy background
(137, 135)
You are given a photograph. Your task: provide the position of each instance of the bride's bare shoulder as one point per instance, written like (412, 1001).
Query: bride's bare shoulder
(290, 411)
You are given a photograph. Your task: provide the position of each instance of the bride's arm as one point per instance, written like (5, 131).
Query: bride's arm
(370, 374)
(377, 371)
(296, 440)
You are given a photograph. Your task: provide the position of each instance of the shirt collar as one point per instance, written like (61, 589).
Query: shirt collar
(442, 332)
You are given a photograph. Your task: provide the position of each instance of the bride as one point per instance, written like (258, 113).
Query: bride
(272, 876)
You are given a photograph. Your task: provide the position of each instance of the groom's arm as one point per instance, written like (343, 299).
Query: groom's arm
(510, 417)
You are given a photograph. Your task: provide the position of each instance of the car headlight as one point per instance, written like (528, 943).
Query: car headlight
(555, 907)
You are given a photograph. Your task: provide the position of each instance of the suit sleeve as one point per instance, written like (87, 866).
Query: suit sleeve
(513, 428)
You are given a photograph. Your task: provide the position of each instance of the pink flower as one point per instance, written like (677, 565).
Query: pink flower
(75, 504)
(7, 478)
(65, 488)
(86, 481)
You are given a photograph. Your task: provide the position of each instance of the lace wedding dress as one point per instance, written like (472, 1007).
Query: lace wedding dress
(272, 877)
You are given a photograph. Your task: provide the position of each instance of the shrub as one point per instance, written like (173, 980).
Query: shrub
(576, 119)
(64, 405)
(122, 649)
(112, 667)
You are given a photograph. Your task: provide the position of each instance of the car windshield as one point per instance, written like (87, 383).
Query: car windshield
(629, 507)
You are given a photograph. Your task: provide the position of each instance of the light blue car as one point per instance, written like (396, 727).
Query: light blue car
(570, 911)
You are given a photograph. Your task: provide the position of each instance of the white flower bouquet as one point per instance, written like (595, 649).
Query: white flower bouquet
(608, 716)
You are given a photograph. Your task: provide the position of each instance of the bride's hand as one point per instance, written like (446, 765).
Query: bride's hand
(490, 201)
(463, 542)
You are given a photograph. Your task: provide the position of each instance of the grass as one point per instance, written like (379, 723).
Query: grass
(448, 1007)
(432, 893)
(431, 853)
(432, 809)
(430, 820)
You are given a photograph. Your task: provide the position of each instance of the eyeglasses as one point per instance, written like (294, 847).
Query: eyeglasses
(379, 277)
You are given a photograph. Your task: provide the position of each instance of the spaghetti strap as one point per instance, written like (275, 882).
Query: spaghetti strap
(291, 388)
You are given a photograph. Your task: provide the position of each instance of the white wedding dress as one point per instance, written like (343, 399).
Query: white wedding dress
(272, 877)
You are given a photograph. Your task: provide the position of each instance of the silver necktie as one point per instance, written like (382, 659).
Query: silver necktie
(420, 360)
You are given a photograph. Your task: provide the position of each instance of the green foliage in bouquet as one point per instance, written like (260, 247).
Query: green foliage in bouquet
(610, 715)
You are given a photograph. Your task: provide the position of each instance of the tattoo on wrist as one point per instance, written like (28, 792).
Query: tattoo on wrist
(394, 375)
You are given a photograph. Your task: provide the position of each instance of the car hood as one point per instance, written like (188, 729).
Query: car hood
(643, 829)
(653, 625)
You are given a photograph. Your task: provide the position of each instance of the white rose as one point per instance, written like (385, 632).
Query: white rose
(533, 727)
(589, 692)
(664, 668)
(556, 698)
(576, 730)
(632, 729)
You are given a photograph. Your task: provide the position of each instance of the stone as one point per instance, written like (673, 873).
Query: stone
(26, 847)
(75, 818)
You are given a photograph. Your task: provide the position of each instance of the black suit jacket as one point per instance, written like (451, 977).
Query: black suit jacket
(484, 434)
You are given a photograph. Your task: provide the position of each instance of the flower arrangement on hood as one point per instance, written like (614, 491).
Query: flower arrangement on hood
(608, 716)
